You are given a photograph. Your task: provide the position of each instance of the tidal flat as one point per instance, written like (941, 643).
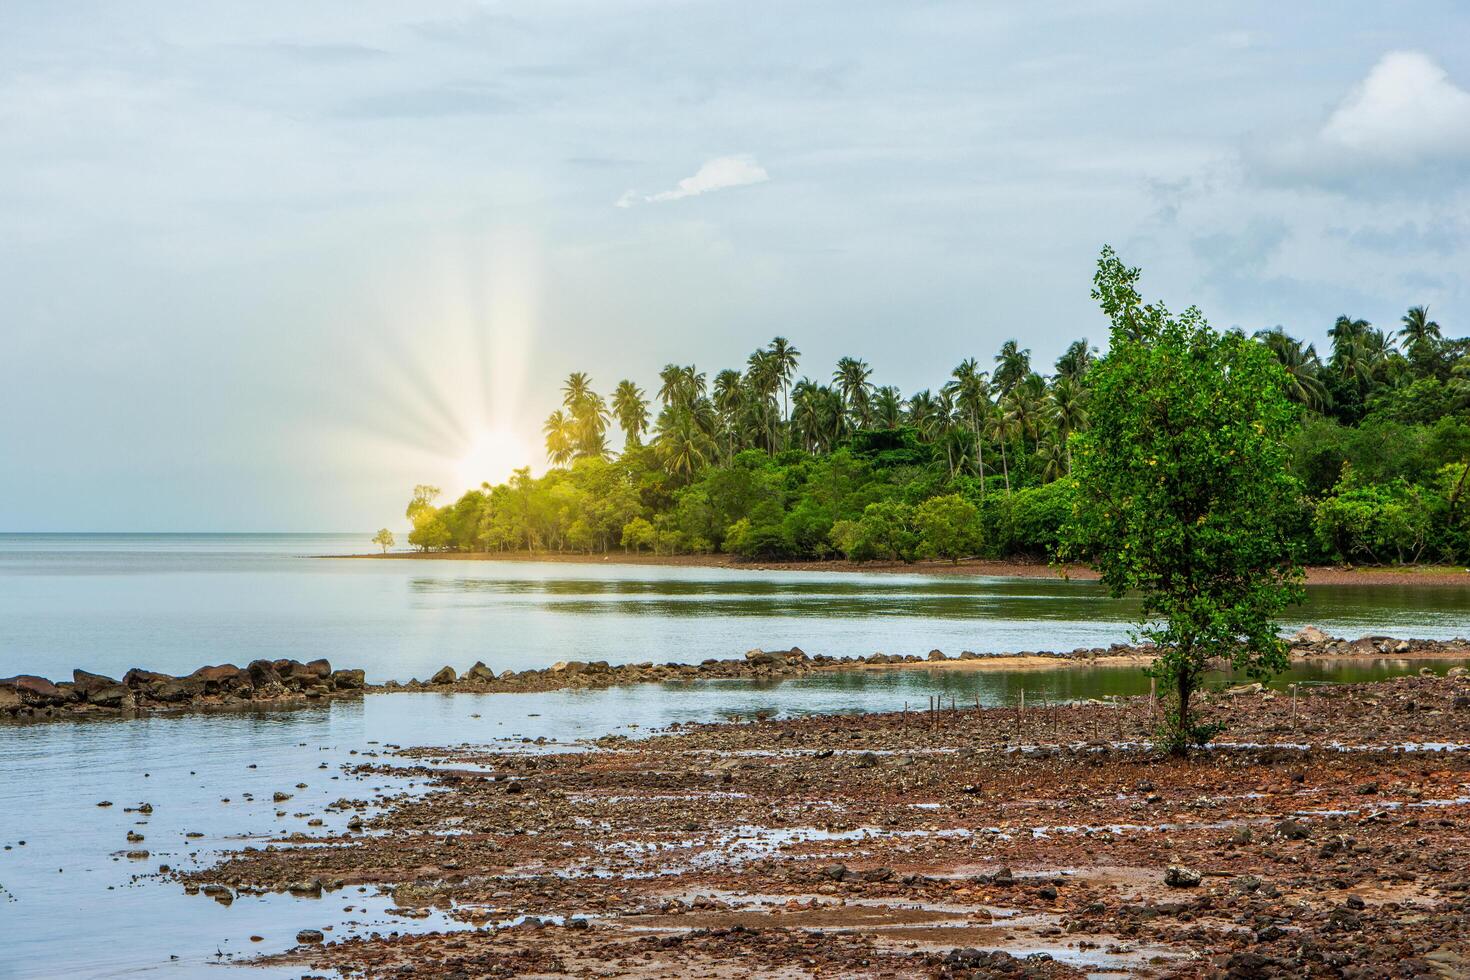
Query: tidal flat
(1323, 834)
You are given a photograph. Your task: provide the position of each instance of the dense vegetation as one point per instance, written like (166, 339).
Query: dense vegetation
(764, 463)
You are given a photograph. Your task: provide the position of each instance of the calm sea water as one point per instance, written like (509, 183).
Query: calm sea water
(73, 904)
(175, 602)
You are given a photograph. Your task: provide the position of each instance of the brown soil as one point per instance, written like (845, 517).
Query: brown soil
(1414, 575)
(964, 843)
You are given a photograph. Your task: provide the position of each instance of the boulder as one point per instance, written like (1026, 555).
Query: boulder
(307, 936)
(1309, 636)
(37, 691)
(320, 668)
(1178, 876)
(265, 678)
(85, 682)
(138, 677)
(938, 655)
(116, 696)
(349, 680)
(444, 675)
(224, 679)
(479, 672)
(10, 701)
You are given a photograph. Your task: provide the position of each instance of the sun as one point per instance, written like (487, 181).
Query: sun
(490, 458)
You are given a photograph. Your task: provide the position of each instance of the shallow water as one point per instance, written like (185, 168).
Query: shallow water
(71, 904)
(175, 602)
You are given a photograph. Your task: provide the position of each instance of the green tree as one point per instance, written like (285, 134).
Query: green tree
(631, 409)
(384, 537)
(949, 527)
(1184, 491)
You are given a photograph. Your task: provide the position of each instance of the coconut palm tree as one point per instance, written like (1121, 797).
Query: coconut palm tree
(1303, 367)
(682, 445)
(1055, 458)
(631, 409)
(1002, 428)
(921, 411)
(1075, 360)
(888, 407)
(560, 438)
(971, 389)
(851, 378)
(1068, 404)
(1419, 332)
(1012, 364)
(783, 358)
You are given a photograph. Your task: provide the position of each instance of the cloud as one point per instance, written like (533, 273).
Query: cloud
(1407, 118)
(714, 175)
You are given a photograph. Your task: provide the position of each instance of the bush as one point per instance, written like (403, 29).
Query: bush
(886, 530)
(949, 527)
(1379, 523)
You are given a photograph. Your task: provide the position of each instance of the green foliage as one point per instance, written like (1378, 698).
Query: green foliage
(1392, 522)
(949, 527)
(384, 537)
(886, 531)
(1183, 490)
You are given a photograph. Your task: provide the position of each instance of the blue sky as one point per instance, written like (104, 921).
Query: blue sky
(266, 265)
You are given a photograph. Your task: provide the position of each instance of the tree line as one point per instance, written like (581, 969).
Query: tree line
(763, 462)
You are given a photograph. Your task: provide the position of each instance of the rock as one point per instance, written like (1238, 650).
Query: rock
(1293, 829)
(865, 760)
(878, 874)
(354, 823)
(969, 655)
(37, 691)
(1255, 688)
(116, 696)
(444, 675)
(226, 678)
(479, 672)
(1246, 884)
(1309, 636)
(349, 680)
(1178, 876)
(310, 886)
(86, 683)
(836, 872)
(938, 655)
(309, 936)
(265, 678)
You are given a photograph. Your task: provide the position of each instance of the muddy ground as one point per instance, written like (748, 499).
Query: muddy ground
(1324, 835)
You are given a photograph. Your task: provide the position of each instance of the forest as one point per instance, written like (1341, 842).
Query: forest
(763, 462)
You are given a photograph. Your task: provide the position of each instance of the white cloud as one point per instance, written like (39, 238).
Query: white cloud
(713, 175)
(1406, 118)
(1407, 109)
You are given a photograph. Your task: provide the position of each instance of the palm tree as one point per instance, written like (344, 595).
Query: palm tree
(560, 438)
(1068, 400)
(971, 389)
(1055, 458)
(1303, 367)
(888, 407)
(1002, 427)
(921, 411)
(783, 363)
(577, 389)
(1075, 360)
(1419, 332)
(729, 402)
(631, 409)
(670, 379)
(682, 444)
(851, 378)
(1011, 365)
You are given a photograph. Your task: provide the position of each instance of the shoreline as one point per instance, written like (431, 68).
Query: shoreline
(1051, 842)
(1435, 576)
(288, 683)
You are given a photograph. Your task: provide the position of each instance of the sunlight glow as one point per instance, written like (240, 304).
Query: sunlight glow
(490, 459)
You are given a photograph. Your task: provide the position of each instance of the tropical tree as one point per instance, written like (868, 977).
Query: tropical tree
(970, 387)
(783, 358)
(1068, 409)
(1302, 365)
(1184, 491)
(888, 407)
(1012, 364)
(851, 378)
(384, 537)
(1075, 360)
(561, 438)
(682, 445)
(631, 410)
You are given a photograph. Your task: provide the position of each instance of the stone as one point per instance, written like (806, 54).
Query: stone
(116, 696)
(310, 936)
(1178, 876)
(479, 672)
(309, 886)
(1309, 636)
(36, 691)
(86, 683)
(1293, 829)
(938, 655)
(444, 675)
(222, 679)
(349, 680)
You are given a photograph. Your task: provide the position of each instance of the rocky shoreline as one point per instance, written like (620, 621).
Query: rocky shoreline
(1309, 643)
(1325, 835)
(286, 682)
(139, 691)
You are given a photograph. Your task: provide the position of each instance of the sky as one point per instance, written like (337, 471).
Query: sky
(266, 265)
